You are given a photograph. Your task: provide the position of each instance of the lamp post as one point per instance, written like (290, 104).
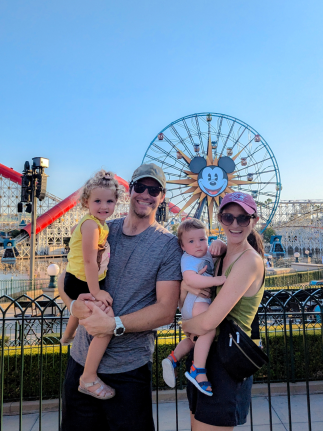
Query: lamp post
(33, 187)
(52, 271)
(296, 255)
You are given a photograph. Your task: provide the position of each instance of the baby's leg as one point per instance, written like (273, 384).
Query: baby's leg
(183, 348)
(203, 343)
(72, 324)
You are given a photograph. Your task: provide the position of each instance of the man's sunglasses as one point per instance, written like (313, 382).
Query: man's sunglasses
(243, 220)
(152, 190)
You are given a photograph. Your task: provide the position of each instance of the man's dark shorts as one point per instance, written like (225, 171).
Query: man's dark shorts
(129, 410)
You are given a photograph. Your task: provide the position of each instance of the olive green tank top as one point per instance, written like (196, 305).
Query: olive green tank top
(246, 308)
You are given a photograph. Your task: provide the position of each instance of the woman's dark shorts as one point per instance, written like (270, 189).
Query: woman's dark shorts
(73, 286)
(229, 405)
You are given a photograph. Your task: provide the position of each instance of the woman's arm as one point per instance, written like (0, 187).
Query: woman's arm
(245, 272)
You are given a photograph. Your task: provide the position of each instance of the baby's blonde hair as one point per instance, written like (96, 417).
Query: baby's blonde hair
(187, 225)
(103, 179)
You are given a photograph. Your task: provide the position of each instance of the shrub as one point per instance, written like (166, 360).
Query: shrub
(54, 361)
(292, 279)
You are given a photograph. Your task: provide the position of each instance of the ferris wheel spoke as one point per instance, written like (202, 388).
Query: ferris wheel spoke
(199, 133)
(181, 140)
(189, 133)
(168, 154)
(164, 163)
(227, 138)
(176, 149)
(238, 139)
(249, 166)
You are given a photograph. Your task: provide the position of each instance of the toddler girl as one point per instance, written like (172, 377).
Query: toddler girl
(193, 240)
(86, 270)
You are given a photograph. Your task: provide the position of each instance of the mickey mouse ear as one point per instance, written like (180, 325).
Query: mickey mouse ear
(197, 164)
(227, 164)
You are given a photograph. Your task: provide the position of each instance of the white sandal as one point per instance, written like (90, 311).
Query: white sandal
(97, 392)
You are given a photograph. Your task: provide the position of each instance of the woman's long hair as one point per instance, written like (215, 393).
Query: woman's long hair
(255, 241)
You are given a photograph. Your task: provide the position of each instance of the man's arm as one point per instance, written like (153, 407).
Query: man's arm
(151, 317)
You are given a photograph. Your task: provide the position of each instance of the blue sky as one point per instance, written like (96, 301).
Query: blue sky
(90, 84)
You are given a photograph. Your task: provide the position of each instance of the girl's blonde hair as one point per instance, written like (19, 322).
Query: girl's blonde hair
(103, 179)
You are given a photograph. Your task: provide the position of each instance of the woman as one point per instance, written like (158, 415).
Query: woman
(238, 299)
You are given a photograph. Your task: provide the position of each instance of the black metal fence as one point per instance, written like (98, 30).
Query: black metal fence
(32, 362)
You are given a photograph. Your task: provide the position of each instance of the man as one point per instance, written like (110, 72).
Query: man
(143, 279)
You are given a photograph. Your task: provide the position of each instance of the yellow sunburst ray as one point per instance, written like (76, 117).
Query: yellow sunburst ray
(209, 199)
(222, 195)
(190, 190)
(229, 190)
(195, 184)
(191, 175)
(237, 155)
(198, 190)
(202, 196)
(188, 160)
(217, 200)
(230, 176)
(186, 182)
(189, 202)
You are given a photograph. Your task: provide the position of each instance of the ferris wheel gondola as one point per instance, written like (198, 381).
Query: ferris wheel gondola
(206, 155)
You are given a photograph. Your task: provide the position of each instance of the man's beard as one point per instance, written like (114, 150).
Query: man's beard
(142, 216)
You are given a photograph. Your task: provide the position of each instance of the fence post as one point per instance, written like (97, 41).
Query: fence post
(306, 372)
(180, 368)
(291, 346)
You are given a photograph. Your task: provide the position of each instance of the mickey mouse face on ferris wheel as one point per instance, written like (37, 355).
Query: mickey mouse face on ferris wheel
(212, 180)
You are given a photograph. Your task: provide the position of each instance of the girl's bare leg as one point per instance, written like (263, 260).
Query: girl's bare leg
(203, 343)
(94, 355)
(72, 324)
(200, 426)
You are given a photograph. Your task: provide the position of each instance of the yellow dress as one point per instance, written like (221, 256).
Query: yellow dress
(75, 264)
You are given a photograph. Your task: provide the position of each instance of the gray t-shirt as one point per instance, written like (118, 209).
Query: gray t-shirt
(136, 264)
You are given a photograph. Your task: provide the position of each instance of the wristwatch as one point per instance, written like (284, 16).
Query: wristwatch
(119, 329)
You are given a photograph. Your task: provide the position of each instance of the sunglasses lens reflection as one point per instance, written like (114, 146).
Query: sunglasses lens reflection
(140, 188)
(242, 220)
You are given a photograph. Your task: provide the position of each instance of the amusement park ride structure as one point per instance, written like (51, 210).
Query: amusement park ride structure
(204, 156)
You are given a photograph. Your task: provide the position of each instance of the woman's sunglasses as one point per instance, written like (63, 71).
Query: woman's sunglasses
(243, 220)
(152, 190)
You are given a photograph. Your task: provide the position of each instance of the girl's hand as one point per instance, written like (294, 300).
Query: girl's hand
(104, 297)
(217, 248)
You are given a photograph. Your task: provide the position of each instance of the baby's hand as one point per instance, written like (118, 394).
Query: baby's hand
(104, 297)
(217, 248)
(218, 281)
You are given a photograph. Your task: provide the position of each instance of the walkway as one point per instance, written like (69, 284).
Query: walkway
(167, 416)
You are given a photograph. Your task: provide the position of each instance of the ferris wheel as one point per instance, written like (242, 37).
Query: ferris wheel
(206, 155)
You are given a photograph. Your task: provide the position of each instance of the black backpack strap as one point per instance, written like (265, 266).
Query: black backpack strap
(255, 332)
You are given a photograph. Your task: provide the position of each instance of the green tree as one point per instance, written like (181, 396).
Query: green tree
(268, 233)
